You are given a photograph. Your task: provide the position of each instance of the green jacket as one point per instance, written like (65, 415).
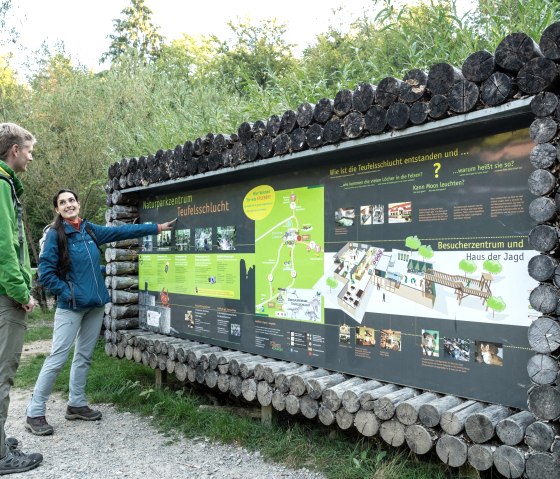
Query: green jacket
(15, 278)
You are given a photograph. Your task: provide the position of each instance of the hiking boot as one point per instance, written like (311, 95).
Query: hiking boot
(17, 461)
(38, 426)
(82, 412)
(11, 443)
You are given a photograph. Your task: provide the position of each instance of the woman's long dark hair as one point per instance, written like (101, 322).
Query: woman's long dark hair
(57, 224)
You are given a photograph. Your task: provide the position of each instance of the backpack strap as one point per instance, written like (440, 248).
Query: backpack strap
(90, 232)
(19, 210)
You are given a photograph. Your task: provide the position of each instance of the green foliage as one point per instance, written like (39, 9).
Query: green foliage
(496, 303)
(467, 266)
(494, 267)
(135, 35)
(412, 242)
(426, 251)
(332, 282)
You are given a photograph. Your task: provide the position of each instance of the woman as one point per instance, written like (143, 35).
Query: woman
(70, 268)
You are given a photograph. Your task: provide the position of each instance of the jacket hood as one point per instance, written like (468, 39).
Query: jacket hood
(7, 171)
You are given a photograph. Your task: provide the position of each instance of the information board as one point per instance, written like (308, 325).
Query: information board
(408, 266)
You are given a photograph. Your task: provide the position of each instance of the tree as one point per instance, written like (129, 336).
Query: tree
(135, 35)
(426, 251)
(467, 266)
(492, 266)
(496, 303)
(332, 283)
(412, 242)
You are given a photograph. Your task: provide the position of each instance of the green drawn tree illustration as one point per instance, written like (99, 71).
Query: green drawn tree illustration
(426, 252)
(492, 266)
(412, 242)
(331, 283)
(496, 303)
(467, 266)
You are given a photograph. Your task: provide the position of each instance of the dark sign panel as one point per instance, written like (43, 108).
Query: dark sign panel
(405, 266)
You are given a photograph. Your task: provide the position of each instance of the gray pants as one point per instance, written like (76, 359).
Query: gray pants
(83, 326)
(13, 323)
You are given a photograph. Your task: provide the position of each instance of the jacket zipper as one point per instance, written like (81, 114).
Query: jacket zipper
(92, 266)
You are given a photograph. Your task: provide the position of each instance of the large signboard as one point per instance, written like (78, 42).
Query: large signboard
(408, 265)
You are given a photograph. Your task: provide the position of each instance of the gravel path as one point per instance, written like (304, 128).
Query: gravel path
(125, 445)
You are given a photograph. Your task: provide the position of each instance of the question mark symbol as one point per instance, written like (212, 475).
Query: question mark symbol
(437, 166)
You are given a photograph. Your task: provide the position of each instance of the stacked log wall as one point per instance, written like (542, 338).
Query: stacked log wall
(516, 443)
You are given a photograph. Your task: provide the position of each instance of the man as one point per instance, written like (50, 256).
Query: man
(16, 152)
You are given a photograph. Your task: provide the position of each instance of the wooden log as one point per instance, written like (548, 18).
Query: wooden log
(481, 426)
(123, 282)
(509, 461)
(181, 371)
(543, 369)
(550, 41)
(452, 450)
(281, 144)
(419, 439)
(304, 114)
(278, 400)
(273, 125)
(309, 407)
(292, 404)
(375, 119)
(544, 104)
(438, 106)
(288, 121)
(191, 374)
(555, 448)
(332, 131)
(266, 146)
(236, 362)
(282, 378)
(326, 416)
(544, 402)
(128, 243)
(183, 350)
(123, 297)
(353, 124)
(272, 370)
(344, 419)
(297, 140)
(323, 110)
(173, 347)
(544, 335)
(478, 66)
(363, 97)
(497, 89)
(129, 352)
(342, 103)
(258, 131)
(386, 405)
(544, 298)
(249, 389)
(122, 312)
(480, 456)
(220, 358)
(392, 432)
(316, 385)
(170, 366)
(137, 355)
(398, 116)
(368, 398)
(351, 396)
(419, 112)
(543, 238)
(259, 371)
(544, 156)
(264, 393)
(298, 382)
(540, 435)
(463, 96)
(332, 396)
(542, 466)
(537, 75)
(543, 130)
(108, 349)
(387, 92)
(430, 413)
(127, 323)
(194, 355)
(442, 77)
(511, 430)
(413, 86)
(235, 384)
(542, 209)
(544, 268)
(223, 382)
(515, 50)
(453, 420)
(314, 135)
(247, 369)
(366, 423)
(408, 410)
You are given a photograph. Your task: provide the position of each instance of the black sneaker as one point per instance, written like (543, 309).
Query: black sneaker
(38, 426)
(11, 443)
(82, 412)
(17, 461)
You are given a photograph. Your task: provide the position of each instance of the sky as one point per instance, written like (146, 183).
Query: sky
(84, 26)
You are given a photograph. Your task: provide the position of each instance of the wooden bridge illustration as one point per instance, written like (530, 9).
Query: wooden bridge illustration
(462, 285)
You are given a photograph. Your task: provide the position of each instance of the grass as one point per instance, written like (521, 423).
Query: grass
(292, 441)
(39, 325)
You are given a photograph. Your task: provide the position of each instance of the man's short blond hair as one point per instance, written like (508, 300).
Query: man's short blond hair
(12, 134)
